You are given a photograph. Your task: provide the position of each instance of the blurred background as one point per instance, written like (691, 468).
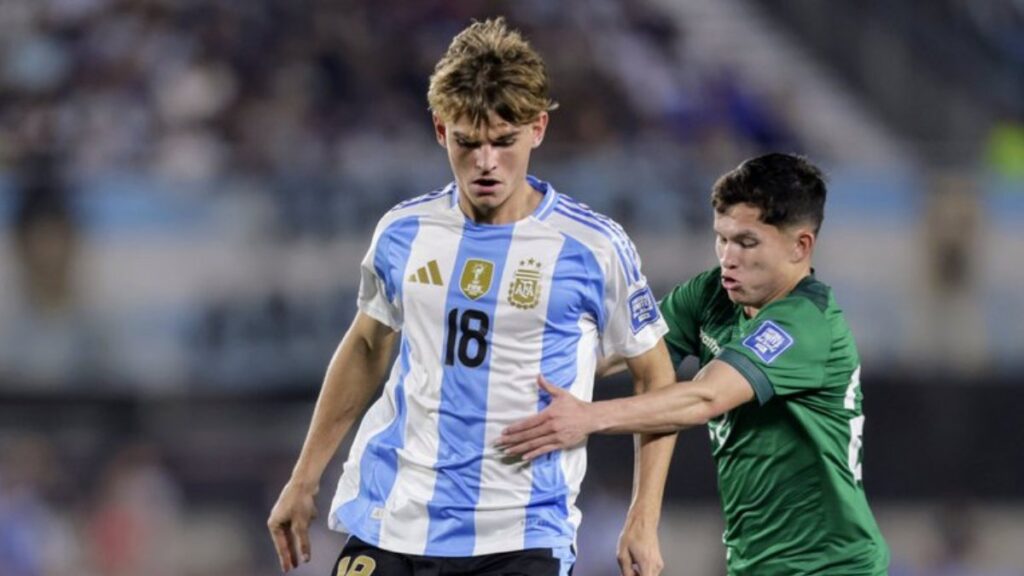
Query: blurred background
(187, 188)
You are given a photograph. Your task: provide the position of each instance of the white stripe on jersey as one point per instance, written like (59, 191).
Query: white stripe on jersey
(512, 392)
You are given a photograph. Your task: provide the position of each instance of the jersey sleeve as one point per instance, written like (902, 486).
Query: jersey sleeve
(634, 324)
(378, 292)
(784, 351)
(682, 311)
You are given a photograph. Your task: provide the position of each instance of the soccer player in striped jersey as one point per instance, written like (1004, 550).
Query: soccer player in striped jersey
(779, 385)
(484, 283)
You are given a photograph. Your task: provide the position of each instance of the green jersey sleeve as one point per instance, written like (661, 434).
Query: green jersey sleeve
(682, 309)
(782, 350)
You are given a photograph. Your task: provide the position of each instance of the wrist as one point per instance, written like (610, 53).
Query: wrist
(305, 483)
(599, 416)
(643, 518)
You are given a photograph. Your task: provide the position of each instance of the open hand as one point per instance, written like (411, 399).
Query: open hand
(565, 423)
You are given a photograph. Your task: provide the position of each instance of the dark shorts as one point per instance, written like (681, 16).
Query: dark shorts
(361, 559)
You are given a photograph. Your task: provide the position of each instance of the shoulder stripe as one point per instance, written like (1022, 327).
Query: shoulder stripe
(550, 196)
(628, 267)
(609, 228)
(608, 221)
(550, 201)
(422, 199)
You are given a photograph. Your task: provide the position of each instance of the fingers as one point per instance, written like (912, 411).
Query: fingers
(626, 563)
(549, 447)
(304, 546)
(548, 387)
(282, 545)
(525, 424)
(291, 542)
(526, 446)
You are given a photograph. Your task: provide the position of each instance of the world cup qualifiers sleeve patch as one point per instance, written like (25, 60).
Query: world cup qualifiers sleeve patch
(769, 341)
(643, 309)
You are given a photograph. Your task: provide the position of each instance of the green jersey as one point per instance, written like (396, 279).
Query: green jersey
(789, 465)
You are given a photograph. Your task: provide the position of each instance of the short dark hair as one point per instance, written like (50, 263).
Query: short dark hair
(787, 188)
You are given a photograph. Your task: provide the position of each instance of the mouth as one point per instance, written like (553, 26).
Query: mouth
(486, 185)
(730, 284)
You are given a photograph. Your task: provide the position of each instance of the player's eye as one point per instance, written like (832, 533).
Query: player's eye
(504, 142)
(470, 144)
(749, 243)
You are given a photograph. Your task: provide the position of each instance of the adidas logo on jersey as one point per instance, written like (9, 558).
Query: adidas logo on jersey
(429, 274)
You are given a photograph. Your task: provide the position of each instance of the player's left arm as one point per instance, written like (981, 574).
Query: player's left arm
(638, 544)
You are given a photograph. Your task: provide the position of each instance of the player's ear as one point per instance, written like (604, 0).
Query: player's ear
(538, 128)
(804, 244)
(440, 130)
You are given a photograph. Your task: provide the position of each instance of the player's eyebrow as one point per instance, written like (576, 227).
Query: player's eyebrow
(739, 236)
(475, 137)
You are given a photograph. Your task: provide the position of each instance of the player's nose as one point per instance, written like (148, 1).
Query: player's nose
(486, 158)
(727, 256)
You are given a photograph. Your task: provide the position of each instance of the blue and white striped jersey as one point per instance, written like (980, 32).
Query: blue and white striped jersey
(482, 310)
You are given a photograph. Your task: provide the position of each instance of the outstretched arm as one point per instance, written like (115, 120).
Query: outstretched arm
(567, 421)
(353, 375)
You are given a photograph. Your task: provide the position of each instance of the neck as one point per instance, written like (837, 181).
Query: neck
(520, 203)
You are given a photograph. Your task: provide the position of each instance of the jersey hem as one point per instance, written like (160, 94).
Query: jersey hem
(337, 523)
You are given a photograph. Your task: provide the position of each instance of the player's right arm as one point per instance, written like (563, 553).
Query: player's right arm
(353, 375)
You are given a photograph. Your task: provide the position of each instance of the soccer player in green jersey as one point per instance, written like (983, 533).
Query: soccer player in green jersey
(779, 385)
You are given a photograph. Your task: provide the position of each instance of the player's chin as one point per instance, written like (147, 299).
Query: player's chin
(735, 294)
(486, 200)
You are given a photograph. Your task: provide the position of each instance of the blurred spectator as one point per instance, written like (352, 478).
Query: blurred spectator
(952, 324)
(34, 539)
(955, 550)
(47, 339)
(135, 528)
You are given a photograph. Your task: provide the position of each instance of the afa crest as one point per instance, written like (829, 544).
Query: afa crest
(524, 291)
(476, 278)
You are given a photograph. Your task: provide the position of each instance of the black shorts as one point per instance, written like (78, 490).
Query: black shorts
(361, 559)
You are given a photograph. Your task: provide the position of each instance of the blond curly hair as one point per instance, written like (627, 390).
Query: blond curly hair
(489, 67)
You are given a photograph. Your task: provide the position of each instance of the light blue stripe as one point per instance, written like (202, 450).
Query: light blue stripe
(378, 467)
(617, 233)
(379, 464)
(627, 267)
(623, 236)
(567, 556)
(462, 412)
(393, 248)
(550, 196)
(583, 209)
(578, 290)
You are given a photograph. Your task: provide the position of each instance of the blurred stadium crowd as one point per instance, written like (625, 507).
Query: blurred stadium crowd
(187, 187)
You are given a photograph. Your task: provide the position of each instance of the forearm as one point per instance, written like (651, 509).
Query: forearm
(653, 454)
(669, 409)
(353, 375)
